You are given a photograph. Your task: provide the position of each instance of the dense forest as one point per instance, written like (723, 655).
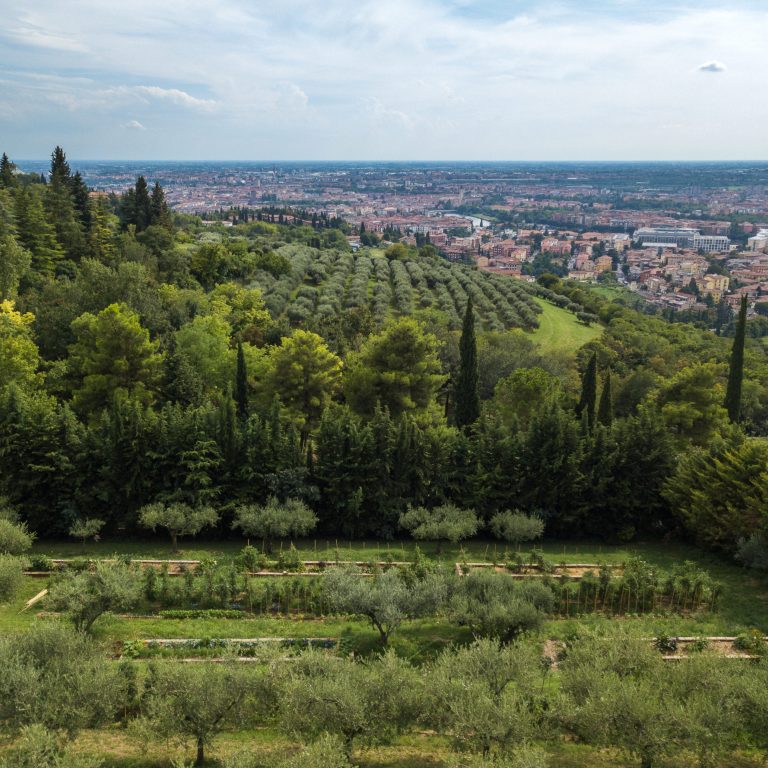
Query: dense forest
(149, 359)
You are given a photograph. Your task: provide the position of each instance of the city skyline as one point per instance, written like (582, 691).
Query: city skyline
(419, 81)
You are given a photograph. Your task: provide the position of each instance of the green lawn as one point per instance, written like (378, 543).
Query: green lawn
(560, 331)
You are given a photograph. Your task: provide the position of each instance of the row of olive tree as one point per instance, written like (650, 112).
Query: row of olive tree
(491, 702)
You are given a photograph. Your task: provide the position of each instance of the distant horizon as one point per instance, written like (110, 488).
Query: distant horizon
(401, 162)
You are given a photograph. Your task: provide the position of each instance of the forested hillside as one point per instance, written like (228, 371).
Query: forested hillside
(148, 358)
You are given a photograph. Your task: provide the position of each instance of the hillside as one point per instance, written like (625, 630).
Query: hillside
(560, 331)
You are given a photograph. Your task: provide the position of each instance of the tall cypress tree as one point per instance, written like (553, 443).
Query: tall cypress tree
(158, 207)
(143, 203)
(605, 408)
(736, 370)
(241, 384)
(466, 396)
(588, 399)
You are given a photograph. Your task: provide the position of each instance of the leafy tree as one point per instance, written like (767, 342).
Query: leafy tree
(327, 751)
(518, 397)
(444, 523)
(88, 528)
(85, 596)
(588, 399)
(387, 599)
(398, 368)
(467, 399)
(112, 356)
(14, 263)
(205, 343)
(736, 368)
(305, 374)
(18, 352)
(275, 520)
(605, 409)
(198, 701)
(15, 539)
(495, 605)
(692, 404)
(516, 527)
(57, 678)
(178, 519)
(359, 702)
(486, 696)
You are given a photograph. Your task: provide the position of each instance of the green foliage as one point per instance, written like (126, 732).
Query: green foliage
(444, 523)
(86, 595)
(275, 519)
(37, 747)
(177, 518)
(516, 527)
(88, 528)
(112, 357)
(495, 605)
(467, 399)
(11, 576)
(387, 599)
(15, 539)
(397, 369)
(736, 367)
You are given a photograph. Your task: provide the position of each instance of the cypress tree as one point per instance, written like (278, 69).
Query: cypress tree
(143, 203)
(605, 409)
(467, 406)
(158, 207)
(59, 166)
(736, 369)
(241, 384)
(588, 399)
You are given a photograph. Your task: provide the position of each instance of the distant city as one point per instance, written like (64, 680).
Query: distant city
(680, 235)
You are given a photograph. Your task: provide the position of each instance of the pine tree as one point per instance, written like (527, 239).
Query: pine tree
(605, 409)
(36, 233)
(736, 369)
(241, 384)
(588, 399)
(7, 179)
(59, 166)
(467, 405)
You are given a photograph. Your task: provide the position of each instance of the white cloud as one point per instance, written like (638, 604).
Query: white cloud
(712, 66)
(175, 96)
(134, 125)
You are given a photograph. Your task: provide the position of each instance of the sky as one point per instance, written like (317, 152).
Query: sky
(384, 79)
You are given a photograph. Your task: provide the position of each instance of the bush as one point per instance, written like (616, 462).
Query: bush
(516, 527)
(40, 563)
(665, 644)
(11, 576)
(751, 642)
(15, 539)
(753, 552)
(202, 613)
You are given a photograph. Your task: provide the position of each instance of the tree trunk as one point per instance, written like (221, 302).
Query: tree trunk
(175, 542)
(200, 752)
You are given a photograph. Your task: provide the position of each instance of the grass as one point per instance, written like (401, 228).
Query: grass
(560, 331)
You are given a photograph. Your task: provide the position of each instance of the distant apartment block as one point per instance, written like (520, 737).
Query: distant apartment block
(759, 242)
(681, 237)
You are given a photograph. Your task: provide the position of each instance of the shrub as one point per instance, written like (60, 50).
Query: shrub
(15, 539)
(665, 644)
(11, 576)
(202, 613)
(516, 527)
(751, 642)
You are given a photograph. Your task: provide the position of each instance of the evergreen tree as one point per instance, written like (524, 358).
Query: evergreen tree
(59, 166)
(158, 207)
(588, 399)
(81, 200)
(36, 233)
(143, 205)
(7, 179)
(605, 409)
(467, 405)
(241, 383)
(736, 370)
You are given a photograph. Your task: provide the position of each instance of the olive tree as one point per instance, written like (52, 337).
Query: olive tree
(498, 606)
(85, 596)
(444, 523)
(15, 539)
(386, 599)
(88, 528)
(360, 702)
(178, 519)
(516, 527)
(197, 701)
(275, 520)
(486, 695)
(523, 756)
(58, 678)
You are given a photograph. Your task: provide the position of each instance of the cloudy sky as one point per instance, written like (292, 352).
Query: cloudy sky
(384, 79)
